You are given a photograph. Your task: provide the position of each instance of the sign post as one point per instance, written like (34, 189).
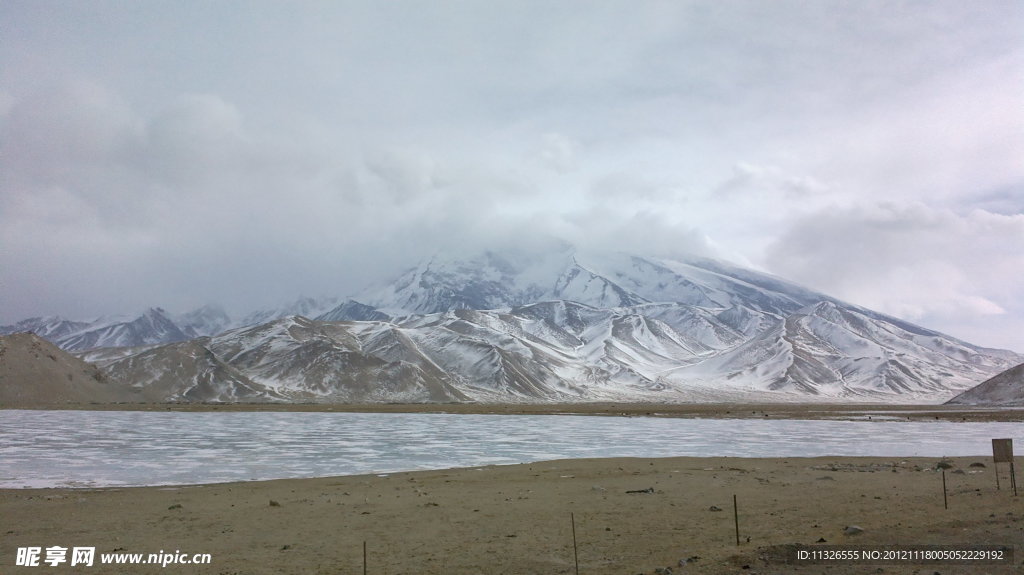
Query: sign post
(1002, 452)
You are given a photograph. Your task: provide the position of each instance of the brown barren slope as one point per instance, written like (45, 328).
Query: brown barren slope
(36, 373)
(1005, 389)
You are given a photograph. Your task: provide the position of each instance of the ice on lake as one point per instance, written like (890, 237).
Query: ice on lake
(120, 448)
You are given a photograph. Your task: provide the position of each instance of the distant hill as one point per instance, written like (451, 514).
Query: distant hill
(36, 373)
(1005, 389)
(156, 326)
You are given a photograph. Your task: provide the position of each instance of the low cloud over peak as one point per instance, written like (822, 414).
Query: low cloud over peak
(869, 152)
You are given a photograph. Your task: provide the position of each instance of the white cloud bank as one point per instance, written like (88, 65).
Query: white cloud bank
(183, 153)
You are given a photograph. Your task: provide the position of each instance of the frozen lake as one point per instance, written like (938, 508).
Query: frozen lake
(113, 448)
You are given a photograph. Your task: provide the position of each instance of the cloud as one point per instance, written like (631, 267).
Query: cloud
(1006, 200)
(191, 204)
(751, 179)
(6, 103)
(114, 207)
(956, 272)
(935, 137)
(197, 137)
(309, 149)
(60, 134)
(626, 188)
(558, 152)
(402, 174)
(612, 227)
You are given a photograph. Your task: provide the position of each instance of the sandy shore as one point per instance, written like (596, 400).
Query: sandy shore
(709, 410)
(631, 516)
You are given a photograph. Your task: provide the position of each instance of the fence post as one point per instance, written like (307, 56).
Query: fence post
(575, 554)
(736, 518)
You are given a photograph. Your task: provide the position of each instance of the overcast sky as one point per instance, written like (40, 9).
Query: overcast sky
(180, 153)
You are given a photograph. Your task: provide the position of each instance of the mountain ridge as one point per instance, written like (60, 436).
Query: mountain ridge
(562, 326)
(154, 325)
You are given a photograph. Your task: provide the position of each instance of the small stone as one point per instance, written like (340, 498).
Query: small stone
(714, 508)
(959, 472)
(274, 503)
(853, 530)
(175, 506)
(977, 464)
(822, 540)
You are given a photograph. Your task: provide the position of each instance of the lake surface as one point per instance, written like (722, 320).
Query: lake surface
(119, 448)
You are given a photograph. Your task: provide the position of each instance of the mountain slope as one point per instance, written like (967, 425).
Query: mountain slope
(352, 310)
(34, 372)
(1005, 389)
(290, 359)
(186, 371)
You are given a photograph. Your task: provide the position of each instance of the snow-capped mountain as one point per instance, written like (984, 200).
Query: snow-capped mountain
(441, 283)
(352, 310)
(304, 306)
(153, 326)
(51, 328)
(567, 326)
(156, 326)
(206, 320)
(601, 280)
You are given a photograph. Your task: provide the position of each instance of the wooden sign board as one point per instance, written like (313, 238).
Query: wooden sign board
(1002, 450)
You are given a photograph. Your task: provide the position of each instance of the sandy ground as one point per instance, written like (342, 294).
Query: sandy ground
(630, 516)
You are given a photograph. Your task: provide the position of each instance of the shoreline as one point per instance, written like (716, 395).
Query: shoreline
(858, 411)
(630, 515)
(883, 460)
